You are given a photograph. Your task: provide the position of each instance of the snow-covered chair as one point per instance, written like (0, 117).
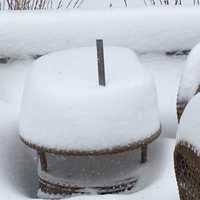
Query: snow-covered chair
(187, 152)
(65, 113)
(190, 80)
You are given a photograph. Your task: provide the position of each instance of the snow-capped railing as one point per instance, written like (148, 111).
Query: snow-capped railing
(159, 29)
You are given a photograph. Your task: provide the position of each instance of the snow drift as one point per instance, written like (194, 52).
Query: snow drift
(190, 79)
(159, 29)
(188, 130)
(65, 108)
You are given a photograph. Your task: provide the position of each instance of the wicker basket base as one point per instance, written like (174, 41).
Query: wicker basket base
(187, 168)
(50, 190)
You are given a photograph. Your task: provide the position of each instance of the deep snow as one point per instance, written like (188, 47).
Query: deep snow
(188, 130)
(141, 29)
(190, 79)
(63, 103)
(165, 70)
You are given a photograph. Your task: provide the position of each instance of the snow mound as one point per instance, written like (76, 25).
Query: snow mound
(190, 79)
(159, 29)
(189, 127)
(65, 108)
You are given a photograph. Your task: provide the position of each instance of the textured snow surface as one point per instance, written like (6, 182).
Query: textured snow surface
(166, 72)
(17, 168)
(142, 29)
(189, 126)
(190, 79)
(65, 108)
(12, 77)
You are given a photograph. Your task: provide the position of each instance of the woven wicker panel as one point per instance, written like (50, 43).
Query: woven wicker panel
(67, 190)
(187, 169)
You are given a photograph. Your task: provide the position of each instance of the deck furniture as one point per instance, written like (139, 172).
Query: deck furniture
(72, 108)
(186, 154)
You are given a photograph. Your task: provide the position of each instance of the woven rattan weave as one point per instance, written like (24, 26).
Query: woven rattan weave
(187, 169)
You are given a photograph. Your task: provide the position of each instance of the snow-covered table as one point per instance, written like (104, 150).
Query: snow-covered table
(66, 112)
(190, 80)
(18, 173)
(186, 156)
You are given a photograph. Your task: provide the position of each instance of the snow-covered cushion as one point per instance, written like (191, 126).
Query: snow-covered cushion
(64, 107)
(189, 127)
(190, 79)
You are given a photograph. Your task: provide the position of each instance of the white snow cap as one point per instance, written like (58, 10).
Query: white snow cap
(189, 127)
(65, 108)
(190, 79)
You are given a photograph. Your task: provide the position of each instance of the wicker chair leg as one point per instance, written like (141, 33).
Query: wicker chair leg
(43, 160)
(144, 153)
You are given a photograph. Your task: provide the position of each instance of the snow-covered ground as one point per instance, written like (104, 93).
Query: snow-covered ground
(17, 169)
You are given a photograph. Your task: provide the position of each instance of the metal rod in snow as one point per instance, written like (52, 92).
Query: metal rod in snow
(125, 2)
(101, 66)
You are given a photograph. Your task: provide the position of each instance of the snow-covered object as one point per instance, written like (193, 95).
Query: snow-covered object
(159, 29)
(65, 108)
(190, 79)
(189, 127)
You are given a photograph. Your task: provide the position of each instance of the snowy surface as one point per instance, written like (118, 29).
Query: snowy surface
(12, 77)
(65, 108)
(190, 79)
(189, 127)
(165, 70)
(17, 168)
(141, 29)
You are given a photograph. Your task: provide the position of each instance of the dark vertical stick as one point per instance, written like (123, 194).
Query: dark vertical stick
(101, 66)
(144, 154)
(43, 160)
(125, 2)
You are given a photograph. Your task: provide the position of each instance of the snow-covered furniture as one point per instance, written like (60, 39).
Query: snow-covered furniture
(190, 80)
(65, 112)
(187, 152)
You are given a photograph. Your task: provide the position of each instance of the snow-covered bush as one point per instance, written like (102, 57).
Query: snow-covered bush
(44, 4)
(38, 33)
